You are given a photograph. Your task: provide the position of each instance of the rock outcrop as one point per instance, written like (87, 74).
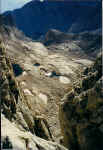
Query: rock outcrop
(20, 126)
(14, 138)
(81, 111)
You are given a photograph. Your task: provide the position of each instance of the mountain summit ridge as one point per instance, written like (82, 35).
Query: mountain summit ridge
(36, 18)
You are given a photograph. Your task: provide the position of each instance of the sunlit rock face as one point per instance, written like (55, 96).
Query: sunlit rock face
(14, 138)
(66, 16)
(81, 116)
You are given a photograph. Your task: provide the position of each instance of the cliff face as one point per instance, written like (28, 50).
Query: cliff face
(20, 126)
(81, 111)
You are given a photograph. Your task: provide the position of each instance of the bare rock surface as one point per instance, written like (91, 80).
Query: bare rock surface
(15, 106)
(81, 116)
(46, 72)
(20, 140)
(34, 78)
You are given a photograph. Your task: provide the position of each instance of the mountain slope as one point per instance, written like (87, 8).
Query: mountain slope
(45, 74)
(88, 42)
(19, 126)
(36, 18)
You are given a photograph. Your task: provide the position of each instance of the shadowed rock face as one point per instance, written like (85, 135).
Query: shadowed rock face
(17, 69)
(66, 16)
(81, 113)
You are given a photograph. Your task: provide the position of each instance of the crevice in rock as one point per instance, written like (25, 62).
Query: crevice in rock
(6, 143)
(36, 64)
(42, 129)
(17, 69)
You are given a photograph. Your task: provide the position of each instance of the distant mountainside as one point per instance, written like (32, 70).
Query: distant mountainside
(36, 18)
(88, 42)
(8, 29)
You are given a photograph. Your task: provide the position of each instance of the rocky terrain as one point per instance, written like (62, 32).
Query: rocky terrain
(79, 43)
(81, 109)
(24, 122)
(20, 126)
(45, 73)
(36, 74)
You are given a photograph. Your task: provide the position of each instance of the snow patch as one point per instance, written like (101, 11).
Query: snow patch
(44, 98)
(24, 73)
(64, 80)
(27, 92)
(23, 83)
